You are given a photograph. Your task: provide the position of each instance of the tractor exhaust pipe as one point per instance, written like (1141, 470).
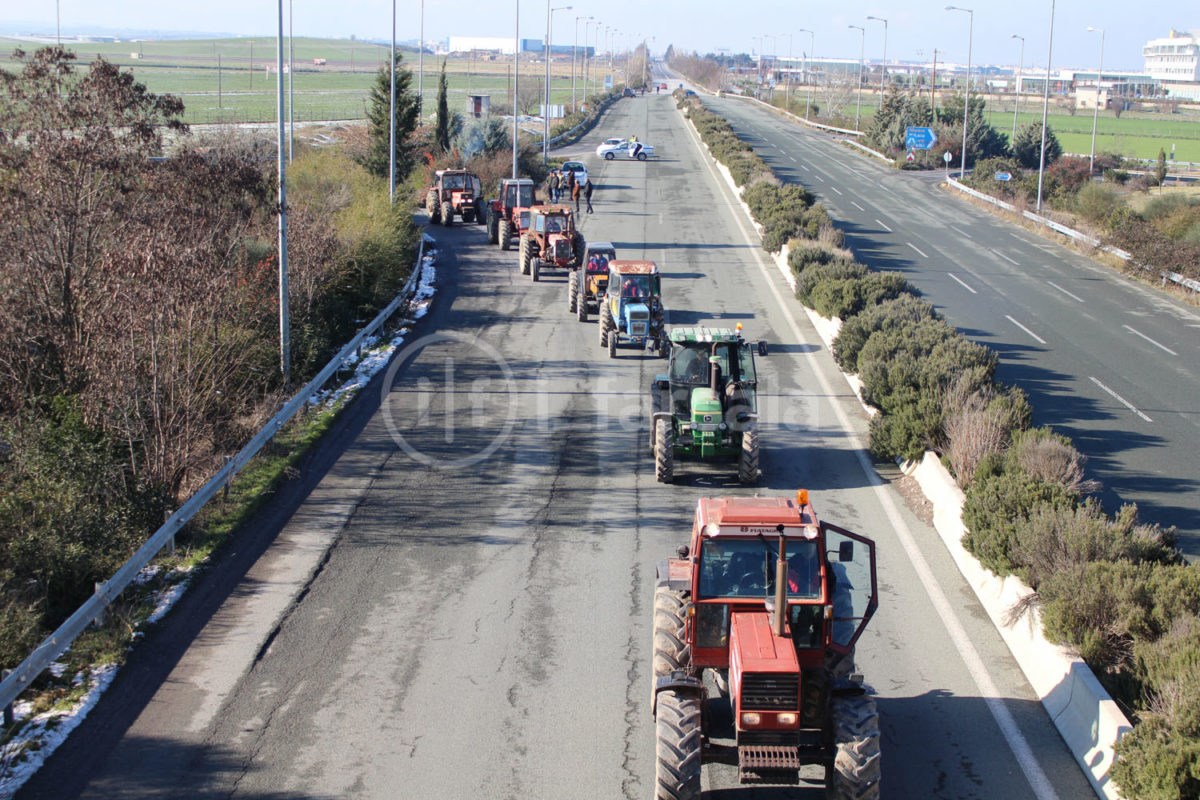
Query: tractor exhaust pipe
(780, 620)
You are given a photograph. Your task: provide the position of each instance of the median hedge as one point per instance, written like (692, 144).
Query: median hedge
(1111, 587)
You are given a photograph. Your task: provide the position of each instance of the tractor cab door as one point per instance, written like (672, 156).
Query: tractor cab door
(539, 223)
(850, 559)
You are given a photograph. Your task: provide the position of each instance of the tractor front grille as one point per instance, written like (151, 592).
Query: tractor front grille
(770, 692)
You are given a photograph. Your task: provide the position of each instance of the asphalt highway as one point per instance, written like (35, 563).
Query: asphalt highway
(1110, 362)
(454, 599)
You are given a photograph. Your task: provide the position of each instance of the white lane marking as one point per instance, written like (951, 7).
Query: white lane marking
(1120, 399)
(1136, 332)
(962, 642)
(960, 283)
(1074, 297)
(959, 231)
(1006, 258)
(856, 205)
(839, 191)
(914, 247)
(793, 158)
(881, 224)
(1022, 327)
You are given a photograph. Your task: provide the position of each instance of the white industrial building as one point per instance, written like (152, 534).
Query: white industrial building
(1175, 62)
(496, 44)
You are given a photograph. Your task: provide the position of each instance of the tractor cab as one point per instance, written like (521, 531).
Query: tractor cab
(587, 285)
(772, 601)
(632, 309)
(455, 191)
(508, 214)
(550, 240)
(517, 193)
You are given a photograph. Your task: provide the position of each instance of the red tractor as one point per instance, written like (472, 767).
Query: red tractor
(508, 215)
(770, 601)
(454, 191)
(550, 241)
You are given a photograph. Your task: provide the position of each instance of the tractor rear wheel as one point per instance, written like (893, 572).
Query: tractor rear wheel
(677, 747)
(581, 309)
(856, 764)
(535, 267)
(505, 234)
(605, 321)
(612, 343)
(481, 211)
(493, 229)
(431, 206)
(748, 459)
(572, 291)
(447, 213)
(580, 250)
(525, 255)
(664, 450)
(671, 652)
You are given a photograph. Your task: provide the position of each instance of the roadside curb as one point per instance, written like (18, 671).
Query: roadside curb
(1087, 718)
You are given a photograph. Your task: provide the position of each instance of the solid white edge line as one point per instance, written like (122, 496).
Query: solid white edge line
(961, 283)
(1136, 332)
(914, 247)
(882, 224)
(1074, 297)
(1120, 399)
(974, 663)
(1006, 258)
(1039, 339)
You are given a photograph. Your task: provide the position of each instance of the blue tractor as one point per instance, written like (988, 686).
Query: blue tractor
(631, 310)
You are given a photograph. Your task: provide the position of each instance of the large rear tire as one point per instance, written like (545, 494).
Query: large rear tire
(677, 747)
(481, 211)
(857, 760)
(664, 450)
(580, 250)
(505, 234)
(447, 214)
(748, 459)
(493, 229)
(581, 305)
(613, 338)
(605, 321)
(525, 255)
(535, 267)
(432, 207)
(572, 291)
(671, 651)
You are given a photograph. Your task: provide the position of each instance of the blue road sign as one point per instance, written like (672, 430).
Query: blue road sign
(919, 138)
(1004, 176)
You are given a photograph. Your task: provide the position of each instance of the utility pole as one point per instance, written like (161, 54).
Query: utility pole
(392, 116)
(285, 344)
(291, 101)
(516, 79)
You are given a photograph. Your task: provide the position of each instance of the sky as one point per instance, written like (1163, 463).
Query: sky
(914, 28)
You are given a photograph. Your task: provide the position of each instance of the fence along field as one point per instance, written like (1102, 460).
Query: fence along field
(214, 79)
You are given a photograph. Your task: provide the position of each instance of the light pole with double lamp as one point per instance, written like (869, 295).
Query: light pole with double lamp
(549, 54)
(962, 171)
(1096, 110)
(574, 50)
(882, 69)
(861, 53)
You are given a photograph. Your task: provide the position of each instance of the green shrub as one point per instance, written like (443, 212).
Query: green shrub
(846, 298)
(802, 255)
(884, 317)
(1155, 764)
(838, 268)
(1098, 202)
(907, 431)
(996, 508)
(979, 423)
(1052, 457)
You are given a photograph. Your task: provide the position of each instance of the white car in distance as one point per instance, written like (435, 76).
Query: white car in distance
(623, 148)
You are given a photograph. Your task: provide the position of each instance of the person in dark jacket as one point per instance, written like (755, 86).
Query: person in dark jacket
(575, 192)
(553, 186)
(569, 183)
(588, 186)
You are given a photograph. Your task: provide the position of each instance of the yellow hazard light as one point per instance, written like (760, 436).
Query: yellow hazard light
(802, 497)
(739, 327)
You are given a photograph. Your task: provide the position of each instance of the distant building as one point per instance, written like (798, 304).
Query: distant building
(494, 44)
(1175, 62)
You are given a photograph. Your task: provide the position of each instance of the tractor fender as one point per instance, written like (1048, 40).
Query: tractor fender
(681, 682)
(663, 579)
(657, 415)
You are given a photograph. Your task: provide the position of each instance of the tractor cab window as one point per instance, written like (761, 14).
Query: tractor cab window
(690, 363)
(553, 225)
(476, 186)
(746, 568)
(452, 181)
(635, 286)
(746, 364)
(851, 562)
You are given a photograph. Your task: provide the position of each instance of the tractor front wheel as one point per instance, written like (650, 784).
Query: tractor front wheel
(447, 214)
(525, 255)
(493, 229)
(605, 321)
(748, 459)
(856, 763)
(505, 234)
(581, 309)
(677, 749)
(664, 450)
(670, 648)
(613, 336)
(572, 291)
(535, 267)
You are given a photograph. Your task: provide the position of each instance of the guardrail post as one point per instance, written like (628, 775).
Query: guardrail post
(99, 620)
(229, 478)
(8, 709)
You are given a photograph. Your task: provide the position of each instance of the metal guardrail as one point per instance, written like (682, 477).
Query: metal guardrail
(54, 645)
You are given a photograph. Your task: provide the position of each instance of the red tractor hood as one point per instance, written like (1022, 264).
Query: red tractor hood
(754, 647)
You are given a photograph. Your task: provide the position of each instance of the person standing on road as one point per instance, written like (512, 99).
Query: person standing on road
(575, 192)
(588, 186)
(569, 182)
(553, 186)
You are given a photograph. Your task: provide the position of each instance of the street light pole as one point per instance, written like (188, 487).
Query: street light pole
(787, 78)
(285, 343)
(1096, 110)
(962, 171)
(392, 117)
(574, 52)
(812, 43)
(421, 67)
(1017, 104)
(516, 80)
(549, 52)
(861, 53)
(291, 102)
(1045, 111)
(883, 69)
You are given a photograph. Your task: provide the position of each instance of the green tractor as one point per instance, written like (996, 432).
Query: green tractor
(706, 406)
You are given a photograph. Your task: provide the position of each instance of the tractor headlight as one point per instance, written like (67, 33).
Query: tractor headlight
(722, 427)
(787, 718)
(750, 719)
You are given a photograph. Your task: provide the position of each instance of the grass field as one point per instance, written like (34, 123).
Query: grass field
(215, 80)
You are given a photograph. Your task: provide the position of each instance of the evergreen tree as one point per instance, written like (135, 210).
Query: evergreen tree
(379, 104)
(896, 114)
(983, 141)
(1026, 148)
(442, 133)
(1160, 171)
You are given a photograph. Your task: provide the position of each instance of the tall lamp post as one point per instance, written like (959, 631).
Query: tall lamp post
(1096, 110)
(516, 80)
(1045, 111)
(883, 69)
(962, 171)
(392, 117)
(285, 343)
(861, 53)
(812, 43)
(421, 67)
(549, 51)
(1017, 104)
(574, 51)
